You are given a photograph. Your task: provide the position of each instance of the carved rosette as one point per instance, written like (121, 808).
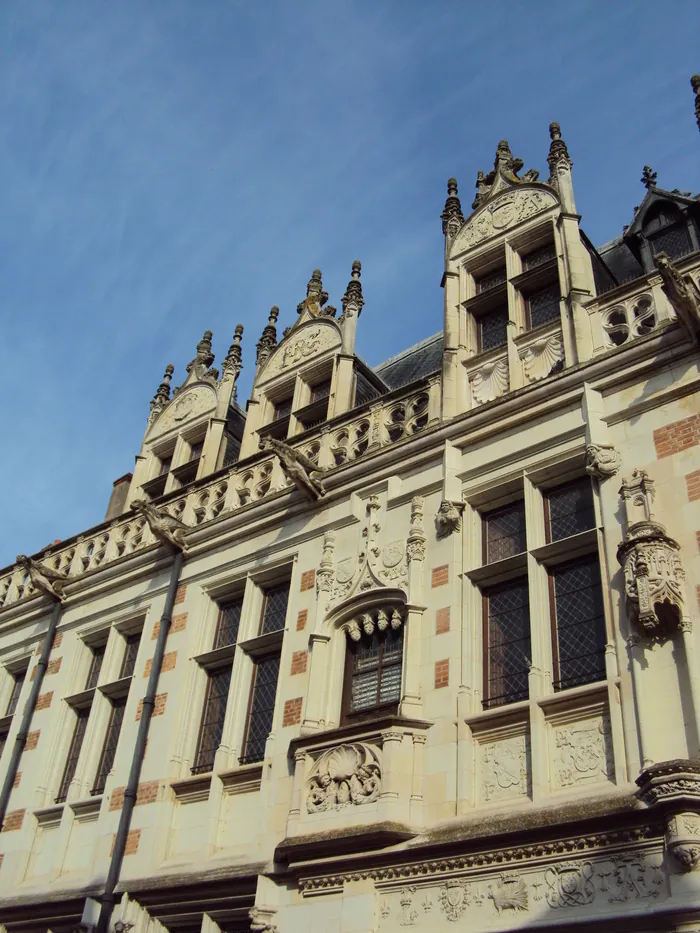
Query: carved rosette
(602, 460)
(349, 775)
(654, 578)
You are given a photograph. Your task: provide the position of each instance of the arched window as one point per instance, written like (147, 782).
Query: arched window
(666, 230)
(373, 663)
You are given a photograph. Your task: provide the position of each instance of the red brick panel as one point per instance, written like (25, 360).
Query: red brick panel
(299, 659)
(292, 712)
(177, 624)
(169, 662)
(18, 778)
(32, 740)
(158, 709)
(442, 673)
(692, 481)
(145, 793)
(44, 700)
(180, 594)
(307, 580)
(53, 667)
(13, 821)
(304, 615)
(132, 842)
(440, 576)
(697, 538)
(57, 641)
(678, 436)
(442, 620)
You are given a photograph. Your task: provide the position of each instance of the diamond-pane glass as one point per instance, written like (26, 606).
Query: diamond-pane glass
(98, 655)
(262, 707)
(321, 390)
(228, 624)
(283, 409)
(492, 329)
(109, 749)
(505, 532)
(491, 280)
(376, 669)
(212, 720)
(130, 652)
(73, 753)
(571, 509)
(544, 305)
(17, 680)
(508, 644)
(675, 241)
(539, 256)
(581, 638)
(275, 609)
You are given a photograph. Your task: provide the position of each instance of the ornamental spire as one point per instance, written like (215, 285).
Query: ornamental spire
(558, 154)
(353, 302)
(695, 84)
(452, 216)
(268, 339)
(648, 178)
(162, 396)
(234, 358)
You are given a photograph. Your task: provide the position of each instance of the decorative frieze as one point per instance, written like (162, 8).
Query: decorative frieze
(349, 775)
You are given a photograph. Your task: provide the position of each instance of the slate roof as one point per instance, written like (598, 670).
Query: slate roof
(620, 260)
(419, 360)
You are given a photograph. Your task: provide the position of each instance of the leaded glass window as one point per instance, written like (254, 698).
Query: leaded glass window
(543, 305)
(98, 655)
(492, 328)
(321, 390)
(579, 636)
(570, 509)
(213, 716)
(131, 650)
(274, 612)
(504, 532)
(17, 680)
(283, 409)
(228, 624)
(262, 708)
(109, 749)
(539, 256)
(675, 241)
(507, 639)
(491, 280)
(375, 670)
(73, 753)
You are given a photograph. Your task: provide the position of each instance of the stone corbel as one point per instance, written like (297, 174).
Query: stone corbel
(673, 787)
(602, 460)
(261, 920)
(448, 518)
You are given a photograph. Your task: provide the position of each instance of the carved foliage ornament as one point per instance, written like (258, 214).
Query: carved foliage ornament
(306, 342)
(376, 619)
(349, 775)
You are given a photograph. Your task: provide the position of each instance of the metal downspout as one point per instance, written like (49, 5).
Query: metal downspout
(107, 899)
(29, 710)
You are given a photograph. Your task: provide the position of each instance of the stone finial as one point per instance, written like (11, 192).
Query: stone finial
(316, 298)
(558, 158)
(452, 216)
(695, 84)
(648, 178)
(162, 396)
(234, 358)
(506, 167)
(268, 339)
(352, 300)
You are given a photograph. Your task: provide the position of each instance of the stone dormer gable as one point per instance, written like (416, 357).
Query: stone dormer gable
(665, 221)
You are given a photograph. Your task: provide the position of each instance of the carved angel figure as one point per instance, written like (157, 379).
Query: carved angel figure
(44, 578)
(682, 292)
(302, 471)
(164, 526)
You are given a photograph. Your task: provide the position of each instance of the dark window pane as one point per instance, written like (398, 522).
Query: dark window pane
(274, 608)
(213, 716)
(232, 452)
(364, 390)
(17, 681)
(262, 708)
(165, 464)
(321, 390)
(73, 753)
(196, 450)
(505, 532)
(229, 621)
(131, 650)
(492, 329)
(508, 644)
(570, 509)
(580, 644)
(98, 655)
(491, 280)
(539, 256)
(3, 741)
(376, 669)
(283, 409)
(673, 240)
(109, 750)
(543, 305)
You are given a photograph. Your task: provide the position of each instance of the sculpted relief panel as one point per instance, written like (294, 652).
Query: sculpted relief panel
(504, 769)
(581, 753)
(308, 342)
(183, 407)
(349, 775)
(500, 214)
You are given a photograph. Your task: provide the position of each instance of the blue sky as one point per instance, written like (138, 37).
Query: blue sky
(169, 167)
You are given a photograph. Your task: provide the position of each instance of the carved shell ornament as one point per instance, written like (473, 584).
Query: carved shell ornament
(490, 382)
(349, 775)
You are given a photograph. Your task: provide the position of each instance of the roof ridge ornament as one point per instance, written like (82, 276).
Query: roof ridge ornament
(352, 300)
(505, 169)
(648, 178)
(452, 216)
(201, 366)
(316, 298)
(695, 84)
(558, 158)
(268, 339)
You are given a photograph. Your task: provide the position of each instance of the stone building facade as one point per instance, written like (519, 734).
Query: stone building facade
(411, 646)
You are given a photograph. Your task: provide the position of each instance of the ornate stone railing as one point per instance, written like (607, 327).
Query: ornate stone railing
(381, 423)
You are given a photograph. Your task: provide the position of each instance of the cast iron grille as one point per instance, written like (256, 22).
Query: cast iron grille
(580, 624)
(570, 509)
(675, 241)
(262, 707)
(491, 280)
(130, 652)
(508, 641)
(213, 716)
(543, 305)
(228, 624)
(504, 532)
(492, 329)
(376, 670)
(73, 753)
(283, 409)
(98, 656)
(274, 610)
(109, 750)
(17, 680)
(539, 256)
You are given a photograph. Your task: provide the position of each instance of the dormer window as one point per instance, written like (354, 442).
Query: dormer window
(539, 256)
(666, 231)
(492, 329)
(283, 409)
(491, 280)
(321, 390)
(196, 450)
(543, 305)
(164, 465)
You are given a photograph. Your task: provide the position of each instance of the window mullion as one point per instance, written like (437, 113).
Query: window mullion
(538, 589)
